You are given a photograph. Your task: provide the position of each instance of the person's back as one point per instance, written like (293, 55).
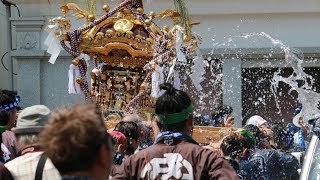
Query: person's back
(132, 132)
(182, 159)
(175, 155)
(30, 122)
(269, 161)
(232, 148)
(78, 144)
(8, 109)
(24, 166)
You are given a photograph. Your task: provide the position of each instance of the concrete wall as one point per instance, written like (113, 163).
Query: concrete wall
(44, 83)
(287, 20)
(4, 49)
(3, 72)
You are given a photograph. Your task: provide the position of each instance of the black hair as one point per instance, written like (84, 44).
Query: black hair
(279, 131)
(132, 132)
(200, 121)
(129, 128)
(222, 110)
(4, 117)
(255, 132)
(7, 97)
(248, 142)
(232, 145)
(172, 101)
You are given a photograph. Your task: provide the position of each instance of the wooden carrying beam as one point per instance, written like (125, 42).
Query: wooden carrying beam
(204, 135)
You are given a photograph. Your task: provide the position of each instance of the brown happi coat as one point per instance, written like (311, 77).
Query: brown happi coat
(175, 159)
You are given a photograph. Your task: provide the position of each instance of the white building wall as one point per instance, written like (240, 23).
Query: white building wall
(294, 22)
(4, 49)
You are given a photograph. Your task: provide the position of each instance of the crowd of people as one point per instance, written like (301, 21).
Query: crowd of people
(76, 143)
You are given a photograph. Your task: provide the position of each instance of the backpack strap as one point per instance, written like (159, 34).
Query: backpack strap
(40, 167)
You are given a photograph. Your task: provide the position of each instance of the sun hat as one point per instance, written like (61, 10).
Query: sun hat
(32, 119)
(256, 120)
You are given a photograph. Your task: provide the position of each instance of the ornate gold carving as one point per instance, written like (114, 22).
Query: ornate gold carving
(137, 22)
(174, 15)
(149, 41)
(148, 22)
(140, 10)
(93, 75)
(124, 43)
(64, 37)
(127, 62)
(75, 61)
(110, 37)
(129, 34)
(100, 35)
(63, 23)
(112, 20)
(79, 80)
(119, 34)
(91, 18)
(152, 15)
(89, 37)
(123, 25)
(166, 28)
(80, 14)
(96, 28)
(138, 38)
(115, 45)
(126, 11)
(106, 8)
(155, 29)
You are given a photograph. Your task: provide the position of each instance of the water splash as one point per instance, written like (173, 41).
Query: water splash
(209, 78)
(298, 81)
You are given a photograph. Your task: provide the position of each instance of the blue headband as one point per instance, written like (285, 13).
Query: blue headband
(9, 107)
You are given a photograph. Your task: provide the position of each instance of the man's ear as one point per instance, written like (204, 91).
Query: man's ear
(121, 148)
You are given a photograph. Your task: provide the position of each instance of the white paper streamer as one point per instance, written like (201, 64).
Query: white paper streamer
(74, 87)
(176, 80)
(198, 70)
(171, 70)
(53, 43)
(157, 79)
(179, 41)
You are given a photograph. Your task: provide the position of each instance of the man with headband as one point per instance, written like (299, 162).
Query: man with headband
(174, 154)
(222, 117)
(8, 109)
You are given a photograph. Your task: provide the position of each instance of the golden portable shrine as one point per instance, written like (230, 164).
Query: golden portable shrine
(128, 50)
(131, 55)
